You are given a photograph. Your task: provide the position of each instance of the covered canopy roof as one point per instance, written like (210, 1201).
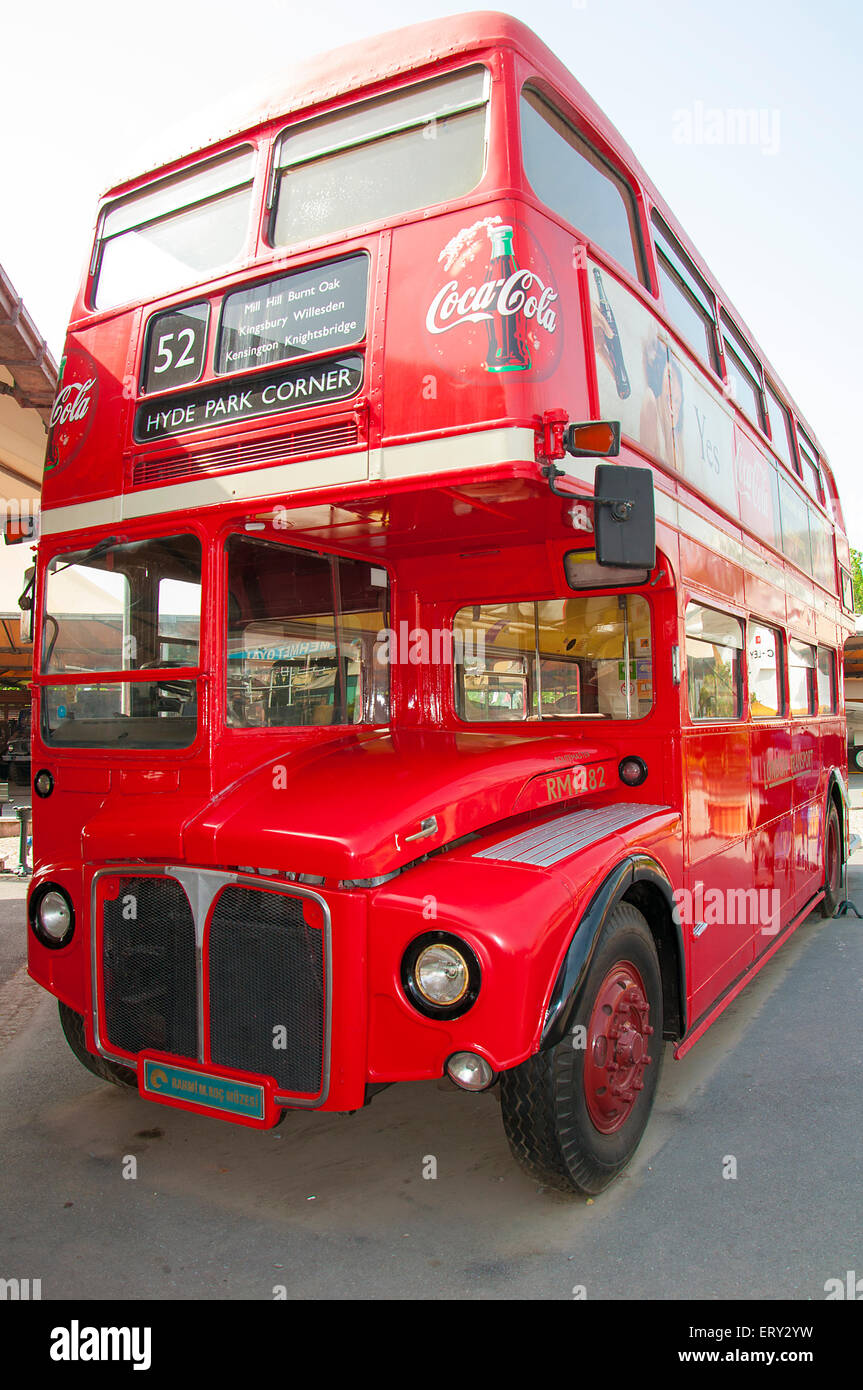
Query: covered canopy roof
(25, 354)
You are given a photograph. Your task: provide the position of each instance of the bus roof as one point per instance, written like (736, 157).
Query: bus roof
(371, 63)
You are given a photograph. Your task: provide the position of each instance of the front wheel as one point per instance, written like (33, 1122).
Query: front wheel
(574, 1115)
(73, 1026)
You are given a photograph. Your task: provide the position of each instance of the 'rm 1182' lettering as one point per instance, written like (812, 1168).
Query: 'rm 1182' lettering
(579, 779)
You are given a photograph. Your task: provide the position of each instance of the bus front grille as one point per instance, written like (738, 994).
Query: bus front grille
(266, 976)
(252, 999)
(148, 960)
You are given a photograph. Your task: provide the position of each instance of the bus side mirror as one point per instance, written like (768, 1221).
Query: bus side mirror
(624, 516)
(21, 528)
(25, 608)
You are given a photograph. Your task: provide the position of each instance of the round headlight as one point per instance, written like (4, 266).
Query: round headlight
(441, 974)
(43, 783)
(53, 918)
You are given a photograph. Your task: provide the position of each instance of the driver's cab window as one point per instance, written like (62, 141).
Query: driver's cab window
(179, 621)
(136, 605)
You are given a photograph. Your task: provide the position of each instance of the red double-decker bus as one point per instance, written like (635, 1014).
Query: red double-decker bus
(376, 735)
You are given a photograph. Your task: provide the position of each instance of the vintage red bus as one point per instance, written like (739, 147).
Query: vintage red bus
(356, 758)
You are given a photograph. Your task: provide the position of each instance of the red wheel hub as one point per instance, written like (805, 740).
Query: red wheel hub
(616, 1053)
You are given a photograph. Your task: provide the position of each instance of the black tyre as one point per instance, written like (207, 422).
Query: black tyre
(73, 1026)
(574, 1115)
(832, 863)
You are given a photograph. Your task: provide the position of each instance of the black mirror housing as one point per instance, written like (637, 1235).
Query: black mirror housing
(624, 516)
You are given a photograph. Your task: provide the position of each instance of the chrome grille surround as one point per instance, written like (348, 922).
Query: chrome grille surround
(202, 886)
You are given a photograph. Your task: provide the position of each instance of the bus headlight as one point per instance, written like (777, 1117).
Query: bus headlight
(441, 975)
(52, 917)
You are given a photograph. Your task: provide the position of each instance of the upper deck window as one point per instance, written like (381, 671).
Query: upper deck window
(811, 471)
(412, 149)
(688, 300)
(780, 431)
(576, 182)
(742, 372)
(176, 232)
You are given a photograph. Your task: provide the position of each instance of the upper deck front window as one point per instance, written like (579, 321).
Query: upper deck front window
(572, 179)
(412, 149)
(176, 232)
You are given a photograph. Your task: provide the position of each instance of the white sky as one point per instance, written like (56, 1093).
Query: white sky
(91, 90)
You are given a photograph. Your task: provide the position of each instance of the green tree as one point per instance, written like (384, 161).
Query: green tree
(857, 579)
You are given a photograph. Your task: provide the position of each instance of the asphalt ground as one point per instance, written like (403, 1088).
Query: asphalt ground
(338, 1207)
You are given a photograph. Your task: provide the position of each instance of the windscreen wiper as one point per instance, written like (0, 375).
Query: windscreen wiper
(26, 599)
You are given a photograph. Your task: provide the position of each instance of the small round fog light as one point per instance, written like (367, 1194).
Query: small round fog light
(52, 918)
(43, 783)
(469, 1071)
(632, 771)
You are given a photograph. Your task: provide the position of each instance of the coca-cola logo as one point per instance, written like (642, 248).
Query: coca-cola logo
(521, 293)
(73, 410)
(72, 402)
(497, 287)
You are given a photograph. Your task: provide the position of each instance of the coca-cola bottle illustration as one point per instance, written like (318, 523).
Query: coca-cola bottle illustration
(507, 339)
(612, 344)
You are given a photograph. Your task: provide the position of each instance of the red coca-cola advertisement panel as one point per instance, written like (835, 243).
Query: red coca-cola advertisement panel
(481, 311)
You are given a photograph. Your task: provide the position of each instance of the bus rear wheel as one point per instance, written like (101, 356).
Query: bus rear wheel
(832, 863)
(73, 1027)
(574, 1115)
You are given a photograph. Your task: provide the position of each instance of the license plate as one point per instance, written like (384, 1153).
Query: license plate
(203, 1090)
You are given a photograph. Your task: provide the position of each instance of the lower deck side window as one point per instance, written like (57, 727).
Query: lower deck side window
(802, 686)
(554, 659)
(714, 663)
